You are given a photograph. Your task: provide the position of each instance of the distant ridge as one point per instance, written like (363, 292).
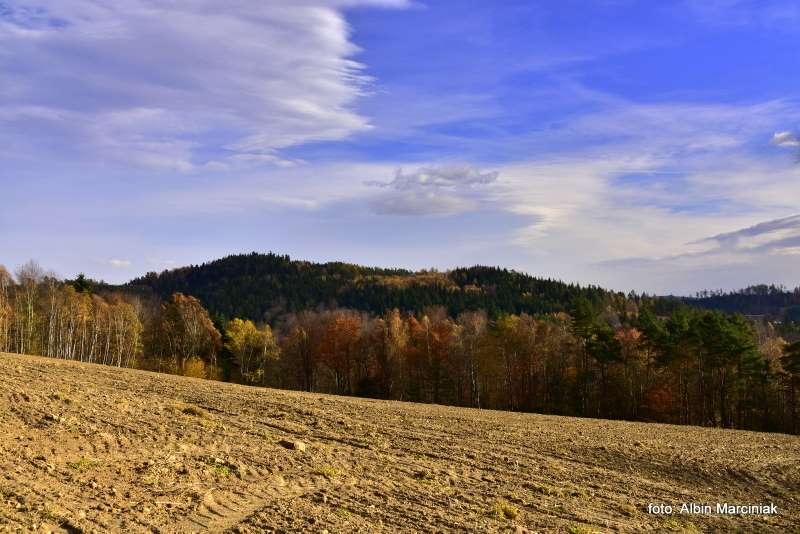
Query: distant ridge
(263, 286)
(770, 301)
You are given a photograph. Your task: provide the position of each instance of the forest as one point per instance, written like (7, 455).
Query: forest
(583, 352)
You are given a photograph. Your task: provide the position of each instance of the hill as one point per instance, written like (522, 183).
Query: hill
(94, 448)
(264, 286)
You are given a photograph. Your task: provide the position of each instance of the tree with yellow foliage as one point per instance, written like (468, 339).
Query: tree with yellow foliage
(252, 348)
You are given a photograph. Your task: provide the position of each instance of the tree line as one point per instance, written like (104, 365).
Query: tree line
(617, 359)
(41, 315)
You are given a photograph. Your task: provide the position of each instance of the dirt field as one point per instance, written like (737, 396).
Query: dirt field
(87, 448)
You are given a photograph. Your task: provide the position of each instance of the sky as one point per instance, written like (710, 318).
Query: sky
(636, 145)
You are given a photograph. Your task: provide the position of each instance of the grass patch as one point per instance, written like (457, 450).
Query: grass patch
(83, 464)
(220, 467)
(505, 510)
(221, 470)
(209, 424)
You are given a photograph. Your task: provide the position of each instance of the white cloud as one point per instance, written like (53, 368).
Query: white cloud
(432, 191)
(119, 263)
(438, 177)
(179, 84)
(786, 139)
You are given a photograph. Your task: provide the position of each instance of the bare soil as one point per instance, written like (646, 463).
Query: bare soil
(87, 448)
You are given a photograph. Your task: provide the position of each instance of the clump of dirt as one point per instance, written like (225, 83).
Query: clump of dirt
(90, 448)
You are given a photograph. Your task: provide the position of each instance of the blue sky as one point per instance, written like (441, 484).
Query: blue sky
(637, 145)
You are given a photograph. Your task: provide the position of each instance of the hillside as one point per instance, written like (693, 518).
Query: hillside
(775, 303)
(92, 448)
(263, 286)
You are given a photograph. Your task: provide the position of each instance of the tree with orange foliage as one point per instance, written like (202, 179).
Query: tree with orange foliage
(338, 350)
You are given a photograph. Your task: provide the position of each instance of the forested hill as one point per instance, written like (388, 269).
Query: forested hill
(264, 286)
(772, 302)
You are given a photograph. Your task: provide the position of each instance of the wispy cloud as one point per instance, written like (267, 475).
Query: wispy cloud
(666, 157)
(761, 253)
(634, 199)
(738, 13)
(118, 263)
(179, 85)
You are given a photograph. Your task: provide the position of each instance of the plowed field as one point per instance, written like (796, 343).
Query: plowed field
(87, 448)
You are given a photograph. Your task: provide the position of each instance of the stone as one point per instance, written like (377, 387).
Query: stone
(294, 445)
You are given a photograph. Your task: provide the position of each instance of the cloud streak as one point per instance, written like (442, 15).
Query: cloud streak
(779, 236)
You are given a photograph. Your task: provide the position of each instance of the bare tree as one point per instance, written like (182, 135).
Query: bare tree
(29, 277)
(6, 311)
